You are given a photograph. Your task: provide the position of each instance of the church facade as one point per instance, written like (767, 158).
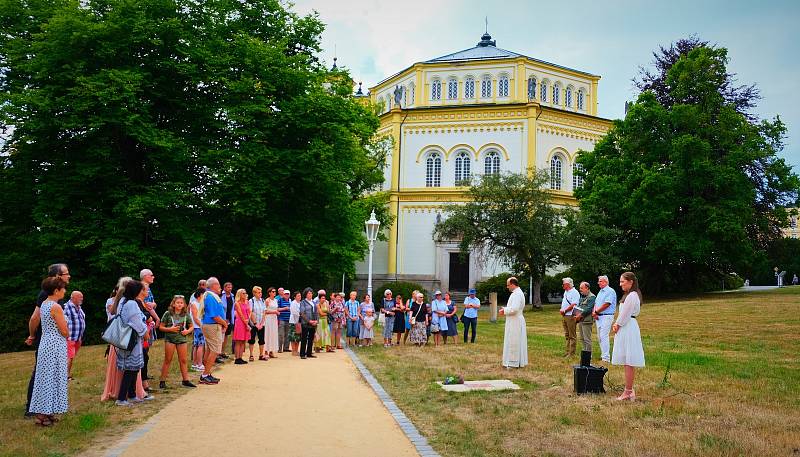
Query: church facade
(483, 110)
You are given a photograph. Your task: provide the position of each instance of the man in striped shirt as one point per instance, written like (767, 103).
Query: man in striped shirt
(76, 323)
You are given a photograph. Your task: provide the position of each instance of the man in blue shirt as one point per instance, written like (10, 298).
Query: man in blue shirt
(470, 316)
(284, 305)
(214, 327)
(604, 307)
(351, 307)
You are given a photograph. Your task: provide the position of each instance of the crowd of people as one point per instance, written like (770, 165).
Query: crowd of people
(212, 319)
(303, 323)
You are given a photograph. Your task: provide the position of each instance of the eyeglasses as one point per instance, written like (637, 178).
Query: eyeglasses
(64, 274)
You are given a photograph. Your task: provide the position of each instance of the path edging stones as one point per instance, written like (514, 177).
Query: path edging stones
(420, 442)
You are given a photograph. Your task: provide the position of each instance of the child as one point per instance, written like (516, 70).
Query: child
(176, 324)
(241, 327)
(367, 332)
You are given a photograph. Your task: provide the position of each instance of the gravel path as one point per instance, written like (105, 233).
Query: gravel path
(286, 406)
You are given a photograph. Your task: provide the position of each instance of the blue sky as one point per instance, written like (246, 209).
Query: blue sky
(376, 38)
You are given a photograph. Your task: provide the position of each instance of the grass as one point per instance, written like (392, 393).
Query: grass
(90, 422)
(722, 378)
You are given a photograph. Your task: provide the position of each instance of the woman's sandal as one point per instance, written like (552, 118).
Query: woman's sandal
(251, 358)
(261, 357)
(43, 421)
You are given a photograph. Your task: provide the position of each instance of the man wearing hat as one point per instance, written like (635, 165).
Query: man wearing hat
(436, 303)
(284, 312)
(470, 317)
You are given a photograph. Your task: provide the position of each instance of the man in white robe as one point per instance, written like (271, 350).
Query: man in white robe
(515, 341)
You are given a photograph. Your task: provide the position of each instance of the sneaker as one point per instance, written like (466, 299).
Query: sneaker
(225, 356)
(214, 378)
(207, 380)
(240, 362)
(187, 384)
(220, 359)
(122, 403)
(194, 368)
(201, 367)
(162, 385)
(135, 400)
(148, 397)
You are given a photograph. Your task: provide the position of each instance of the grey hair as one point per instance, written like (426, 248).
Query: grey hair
(201, 283)
(584, 283)
(121, 283)
(144, 273)
(55, 269)
(567, 281)
(211, 281)
(603, 277)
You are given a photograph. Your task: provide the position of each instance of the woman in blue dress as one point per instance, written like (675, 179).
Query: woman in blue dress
(452, 328)
(50, 392)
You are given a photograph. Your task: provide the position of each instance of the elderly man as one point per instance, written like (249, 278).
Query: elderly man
(604, 307)
(214, 327)
(583, 316)
(284, 312)
(148, 278)
(56, 270)
(470, 316)
(76, 324)
(570, 300)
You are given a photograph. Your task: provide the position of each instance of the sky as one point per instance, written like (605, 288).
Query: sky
(374, 39)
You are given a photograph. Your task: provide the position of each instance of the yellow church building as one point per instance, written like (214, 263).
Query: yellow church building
(483, 110)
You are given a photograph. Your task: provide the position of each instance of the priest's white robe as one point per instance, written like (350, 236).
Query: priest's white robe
(515, 342)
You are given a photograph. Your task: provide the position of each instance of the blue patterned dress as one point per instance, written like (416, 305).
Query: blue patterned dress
(50, 392)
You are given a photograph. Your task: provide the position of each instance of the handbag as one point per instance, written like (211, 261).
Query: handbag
(435, 327)
(119, 334)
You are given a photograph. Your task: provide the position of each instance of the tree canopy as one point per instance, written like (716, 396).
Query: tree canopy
(509, 217)
(192, 138)
(691, 182)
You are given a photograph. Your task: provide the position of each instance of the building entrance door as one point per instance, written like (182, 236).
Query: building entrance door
(459, 272)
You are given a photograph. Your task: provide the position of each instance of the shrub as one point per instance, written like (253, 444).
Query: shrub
(403, 288)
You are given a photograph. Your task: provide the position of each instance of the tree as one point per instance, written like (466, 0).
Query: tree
(194, 138)
(509, 217)
(693, 185)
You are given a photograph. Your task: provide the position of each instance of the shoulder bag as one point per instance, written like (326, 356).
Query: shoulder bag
(119, 334)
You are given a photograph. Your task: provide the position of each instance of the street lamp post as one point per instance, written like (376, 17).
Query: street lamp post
(372, 226)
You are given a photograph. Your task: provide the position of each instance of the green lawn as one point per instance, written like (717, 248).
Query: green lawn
(90, 423)
(722, 379)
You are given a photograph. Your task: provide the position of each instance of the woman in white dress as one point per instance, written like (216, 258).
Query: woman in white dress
(271, 324)
(628, 349)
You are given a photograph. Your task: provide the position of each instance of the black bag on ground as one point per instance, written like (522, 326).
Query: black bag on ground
(589, 379)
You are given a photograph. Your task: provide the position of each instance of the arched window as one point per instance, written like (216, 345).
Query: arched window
(388, 103)
(436, 90)
(491, 163)
(555, 172)
(580, 99)
(568, 97)
(452, 89)
(532, 88)
(556, 94)
(486, 87)
(543, 92)
(502, 86)
(433, 170)
(469, 88)
(462, 168)
(577, 178)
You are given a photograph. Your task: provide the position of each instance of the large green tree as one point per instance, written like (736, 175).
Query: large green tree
(692, 183)
(194, 138)
(509, 217)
